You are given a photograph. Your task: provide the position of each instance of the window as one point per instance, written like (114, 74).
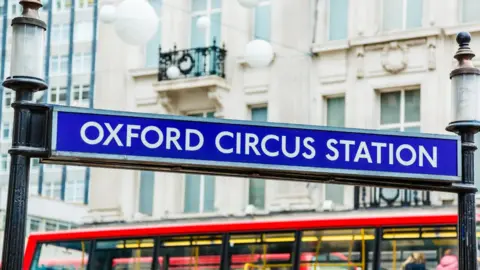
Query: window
(399, 243)
(400, 110)
(145, 192)
(75, 250)
(211, 9)
(263, 20)
(191, 252)
(256, 187)
(34, 225)
(81, 95)
(470, 10)
(52, 189)
(60, 33)
(8, 96)
(338, 19)
(58, 95)
(263, 251)
(4, 160)
(151, 50)
(75, 187)
(123, 254)
(50, 226)
(199, 189)
(402, 14)
(82, 62)
(59, 64)
(335, 118)
(6, 131)
(335, 249)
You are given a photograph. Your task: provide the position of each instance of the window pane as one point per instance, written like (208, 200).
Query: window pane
(259, 114)
(334, 193)
(216, 3)
(256, 193)
(392, 14)
(190, 252)
(412, 129)
(262, 22)
(199, 5)
(431, 242)
(197, 37)
(128, 254)
(145, 197)
(34, 225)
(414, 13)
(390, 108)
(336, 112)
(62, 255)
(216, 29)
(334, 249)
(338, 22)
(412, 106)
(209, 194)
(262, 251)
(192, 193)
(151, 51)
(50, 226)
(471, 9)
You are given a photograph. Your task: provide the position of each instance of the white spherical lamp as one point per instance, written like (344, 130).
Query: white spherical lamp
(108, 13)
(136, 22)
(173, 72)
(203, 22)
(259, 53)
(248, 3)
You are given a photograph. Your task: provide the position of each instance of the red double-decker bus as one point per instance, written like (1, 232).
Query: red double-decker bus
(346, 243)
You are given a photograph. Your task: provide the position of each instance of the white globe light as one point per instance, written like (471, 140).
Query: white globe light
(203, 22)
(248, 3)
(136, 22)
(173, 72)
(108, 13)
(259, 53)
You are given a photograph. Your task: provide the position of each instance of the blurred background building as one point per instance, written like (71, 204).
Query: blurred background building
(375, 64)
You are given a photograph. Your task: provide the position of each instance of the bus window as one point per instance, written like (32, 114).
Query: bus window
(190, 252)
(71, 255)
(431, 242)
(268, 251)
(125, 254)
(342, 249)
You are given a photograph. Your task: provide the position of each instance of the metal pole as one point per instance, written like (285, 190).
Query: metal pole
(26, 70)
(465, 81)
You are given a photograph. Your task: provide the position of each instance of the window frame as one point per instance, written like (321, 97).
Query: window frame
(404, 17)
(327, 24)
(9, 125)
(208, 11)
(401, 125)
(325, 99)
(261, 3)
(247, 193)
(204, 114)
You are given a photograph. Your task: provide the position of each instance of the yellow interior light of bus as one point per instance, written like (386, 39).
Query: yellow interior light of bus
(279, 239)
(439, 235)
(401, 235)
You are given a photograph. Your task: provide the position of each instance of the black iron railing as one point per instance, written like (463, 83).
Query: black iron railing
(194, 62)
(370, 197)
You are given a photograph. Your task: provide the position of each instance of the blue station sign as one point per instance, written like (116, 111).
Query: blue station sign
(82, 136)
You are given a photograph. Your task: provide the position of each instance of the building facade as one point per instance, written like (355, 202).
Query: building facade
(359, 64)
(58, 194)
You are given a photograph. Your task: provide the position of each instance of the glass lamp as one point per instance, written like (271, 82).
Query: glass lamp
(465, 81)
(259, 53)
(28, 53)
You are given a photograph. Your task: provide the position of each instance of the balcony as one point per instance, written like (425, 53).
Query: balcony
(192, 80)
(194, 62)
(371, 197)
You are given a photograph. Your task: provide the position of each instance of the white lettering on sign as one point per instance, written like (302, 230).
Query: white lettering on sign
(254, 144)
(403, 154)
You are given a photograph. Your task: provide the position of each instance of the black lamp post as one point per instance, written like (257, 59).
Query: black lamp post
(26, 78)
(466, 86)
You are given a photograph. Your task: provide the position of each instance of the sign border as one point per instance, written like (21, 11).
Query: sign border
(291, 169)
